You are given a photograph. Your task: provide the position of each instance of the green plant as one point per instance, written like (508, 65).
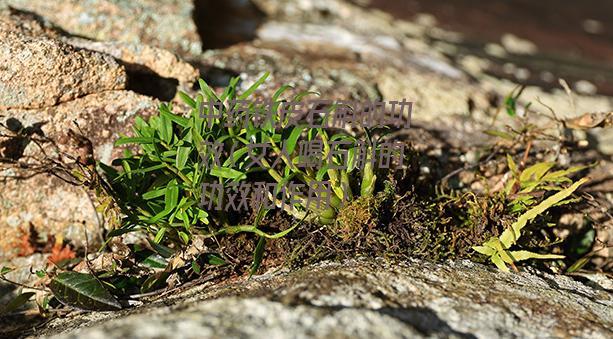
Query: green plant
(510, 101)
(498, 248)
(160, 187)
(536, 178)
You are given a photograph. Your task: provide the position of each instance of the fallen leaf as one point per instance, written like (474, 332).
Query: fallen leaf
(60, 253)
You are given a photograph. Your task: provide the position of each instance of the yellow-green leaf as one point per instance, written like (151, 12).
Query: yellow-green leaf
(500, 134)
(525, 255)
(535, 172)
(484, 250)
(510, 235)
(511, 163)
(499, 263)
(562, 174)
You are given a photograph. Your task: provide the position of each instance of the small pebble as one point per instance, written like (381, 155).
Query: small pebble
(593, 26)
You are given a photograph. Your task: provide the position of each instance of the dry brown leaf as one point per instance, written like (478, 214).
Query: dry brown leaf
(591, 120)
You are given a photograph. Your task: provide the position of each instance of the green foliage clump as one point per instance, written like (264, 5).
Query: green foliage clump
(159, 188)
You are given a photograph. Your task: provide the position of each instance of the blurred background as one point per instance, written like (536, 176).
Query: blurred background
(571, 39)
(533, 42)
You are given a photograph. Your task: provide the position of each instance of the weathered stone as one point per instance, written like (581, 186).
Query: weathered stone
(138, 57)
(38, 71)
(162, 23)
(366, 299)
(25, 23)
(46, 202)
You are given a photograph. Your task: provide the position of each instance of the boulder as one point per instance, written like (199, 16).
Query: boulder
(141, 58)
(39, 71)
(162, 23)
(368, 298)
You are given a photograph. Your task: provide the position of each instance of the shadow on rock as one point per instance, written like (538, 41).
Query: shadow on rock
(13, 147)
(424, 320)
(153, 85)
(224, 23)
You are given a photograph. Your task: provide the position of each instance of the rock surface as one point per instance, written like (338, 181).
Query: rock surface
(49, 81)
(162, 23)
(143, 58)
(38, 71)
(367, 298)
(47, 203)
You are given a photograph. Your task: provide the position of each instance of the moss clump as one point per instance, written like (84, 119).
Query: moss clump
(358, 218)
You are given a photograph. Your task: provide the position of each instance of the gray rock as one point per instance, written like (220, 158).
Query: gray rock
(39, 71)
(364, 299)
(162, 23)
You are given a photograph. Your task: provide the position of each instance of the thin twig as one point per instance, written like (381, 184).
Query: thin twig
(21, 285)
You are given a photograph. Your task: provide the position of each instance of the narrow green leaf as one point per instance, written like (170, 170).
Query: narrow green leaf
(213, 259)
(184, 237)
(143, 170)
(187, 99)
(162, 250)
(182, 157)
(154, 260)
(258, 255)
(155, 194)
(228, 173)
(171, 198)
(16, 303)
(4, 270)
(177, 119)
(253, 87)
(292, 139)
(134, 140)
(120, 231)
(196, 267)
(579, 264)
(159, 235)
(237, 154)
(208, 91)
(512, 165)
(165, 128)
(510, 105)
